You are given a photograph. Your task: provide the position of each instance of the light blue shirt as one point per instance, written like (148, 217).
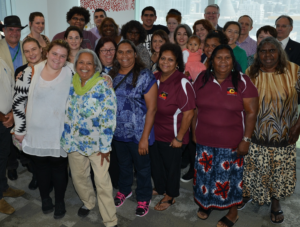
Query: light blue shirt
(13, 51)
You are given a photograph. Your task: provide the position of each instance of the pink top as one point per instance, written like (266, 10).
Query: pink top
(193, 64)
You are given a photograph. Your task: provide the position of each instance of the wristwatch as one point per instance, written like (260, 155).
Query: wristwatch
(246, 139)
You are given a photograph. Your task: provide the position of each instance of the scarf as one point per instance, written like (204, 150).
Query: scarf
(88, 85)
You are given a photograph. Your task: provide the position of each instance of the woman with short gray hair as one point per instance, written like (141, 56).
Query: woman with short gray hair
(90, 122)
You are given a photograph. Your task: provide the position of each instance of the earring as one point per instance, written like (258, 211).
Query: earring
(177, 67)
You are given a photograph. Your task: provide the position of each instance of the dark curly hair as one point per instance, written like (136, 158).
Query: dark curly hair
(177, 52)
(210, 70)
(80, 11)
(116, 27)
(137, 68)
(282, 58)
(129, 26)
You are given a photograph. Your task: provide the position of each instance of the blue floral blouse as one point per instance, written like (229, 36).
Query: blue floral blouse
(131, 110)
(90, 120)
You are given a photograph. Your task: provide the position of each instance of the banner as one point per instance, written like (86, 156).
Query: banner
(108, 5)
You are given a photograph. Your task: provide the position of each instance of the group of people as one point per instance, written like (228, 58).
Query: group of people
(145, 100)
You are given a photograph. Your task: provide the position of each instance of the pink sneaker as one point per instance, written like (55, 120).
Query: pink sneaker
(120, 198)
(142, 208)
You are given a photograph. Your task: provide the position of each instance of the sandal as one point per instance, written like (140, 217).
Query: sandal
(276, 213)
(227, 222)
(170, 202)
(243, 205)
(154, 192)
(207, 212)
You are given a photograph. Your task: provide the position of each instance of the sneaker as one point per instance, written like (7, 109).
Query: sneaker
(120, 198)
(60, 210)
(187, 177)
(142, 208)
(83, 212)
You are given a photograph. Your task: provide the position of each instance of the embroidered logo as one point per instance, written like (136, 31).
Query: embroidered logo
(163, 95)
(231, 91)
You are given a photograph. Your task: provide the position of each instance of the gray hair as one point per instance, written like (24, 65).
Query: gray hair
(187, 29)
(96, 59)
(213, 5)
(281, 53)
(287, 17)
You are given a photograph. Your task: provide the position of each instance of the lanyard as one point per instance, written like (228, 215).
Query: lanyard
(16, 54)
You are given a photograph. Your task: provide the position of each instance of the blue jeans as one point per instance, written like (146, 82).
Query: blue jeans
(128, 156)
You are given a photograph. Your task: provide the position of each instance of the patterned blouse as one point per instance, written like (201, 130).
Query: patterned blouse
(90, 120)
(278, 106)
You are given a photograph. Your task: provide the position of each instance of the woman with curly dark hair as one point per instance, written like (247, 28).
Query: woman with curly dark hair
(136, 91)
(270, 166)
(175, 110)
(136, 33)
(109, 28)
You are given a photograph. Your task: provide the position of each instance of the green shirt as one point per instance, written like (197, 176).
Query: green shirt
(241, 57)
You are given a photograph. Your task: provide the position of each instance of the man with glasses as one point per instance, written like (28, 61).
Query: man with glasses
(99, 15)
(284, 26)
(79, 17)
(212, 13)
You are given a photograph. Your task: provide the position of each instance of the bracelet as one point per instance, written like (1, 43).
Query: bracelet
(246, 139)
(180, 141)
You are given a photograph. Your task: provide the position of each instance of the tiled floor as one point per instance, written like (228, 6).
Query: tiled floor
(181, 214)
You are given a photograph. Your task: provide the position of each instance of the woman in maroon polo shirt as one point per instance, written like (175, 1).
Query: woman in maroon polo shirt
(227, 106)
(175, 110)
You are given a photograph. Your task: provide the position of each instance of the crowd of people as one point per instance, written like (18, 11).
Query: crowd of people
(106, 105)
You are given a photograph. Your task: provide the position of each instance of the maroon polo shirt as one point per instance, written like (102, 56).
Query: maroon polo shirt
(175, 96)
(221, 116)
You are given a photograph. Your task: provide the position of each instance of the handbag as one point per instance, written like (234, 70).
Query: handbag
(115, 88)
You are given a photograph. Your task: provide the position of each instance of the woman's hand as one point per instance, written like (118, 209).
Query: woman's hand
(104, 156)
(175, 144)
(194, 139)
(243, 148)
(143, 146)
(20, 137)
(19, 75)
(107, 78)
(294, 134)
(9, 120)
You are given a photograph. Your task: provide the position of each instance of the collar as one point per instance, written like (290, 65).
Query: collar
(13, 48)
(284, 41)
(247, 40)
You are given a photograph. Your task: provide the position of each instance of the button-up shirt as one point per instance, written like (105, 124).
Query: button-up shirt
(284, 42)
(16, 51)
(249, 45)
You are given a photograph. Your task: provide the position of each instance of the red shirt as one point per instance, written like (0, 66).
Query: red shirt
(221, 116)
(175, 96)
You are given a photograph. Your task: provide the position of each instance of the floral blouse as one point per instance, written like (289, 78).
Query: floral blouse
(90, 120)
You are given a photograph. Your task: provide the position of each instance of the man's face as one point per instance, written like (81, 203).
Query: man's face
(12, 35)
(98, 18)
(246, 25)
(78, 21)
(283, 28)
(211, 14)
(148, 19)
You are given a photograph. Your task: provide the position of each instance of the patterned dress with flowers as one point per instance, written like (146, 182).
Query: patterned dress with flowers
(90, 120)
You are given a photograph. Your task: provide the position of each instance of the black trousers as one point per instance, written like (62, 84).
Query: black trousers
(52, 170)
(165, 167)
(191, 149)
(13, 157)
(114, 169)
(5, 143)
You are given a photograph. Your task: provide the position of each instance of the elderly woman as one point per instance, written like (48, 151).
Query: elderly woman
(181, 35)
(136, 92)
(109, 28)
(270, 166)
(73, 36)
(175, 109)
(201, 29)
(89, 125)
(159, 38)
(225, 119)
(173, 19)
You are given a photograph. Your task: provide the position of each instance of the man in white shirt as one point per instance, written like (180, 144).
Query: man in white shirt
(284, 26)
(6, 122)
(212, 13)
(99, 15)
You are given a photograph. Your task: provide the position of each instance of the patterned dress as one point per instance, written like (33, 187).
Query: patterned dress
(270, 166)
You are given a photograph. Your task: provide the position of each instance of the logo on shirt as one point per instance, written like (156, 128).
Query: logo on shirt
(163, 95)
(231, 91)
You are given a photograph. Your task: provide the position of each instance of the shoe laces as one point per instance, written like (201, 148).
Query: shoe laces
(143, 205)
(120, 196)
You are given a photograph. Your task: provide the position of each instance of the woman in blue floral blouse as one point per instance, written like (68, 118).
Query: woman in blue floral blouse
(90, 123)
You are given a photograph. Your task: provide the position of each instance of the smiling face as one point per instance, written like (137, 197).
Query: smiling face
(74, 40)
(38, 25)
(222, 63)
(201, 32)
(78, 21)
(98, 18)
(157, 42)
(167, 62)
(57, 57)
(211, 14)
(148, 19)
(107, 54)
(232, 33)
(85, 66)
(268, 56)
(182, 37)
(172, 24)
(108, 28)
(12, 35)
(133, 35)
(210, 45)
(126, 56)
(193, 45)
(32, 52)
(246, 25)
(283, 28)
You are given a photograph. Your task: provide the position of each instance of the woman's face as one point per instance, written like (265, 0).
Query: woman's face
(157, 42)
(210, 45)
(57, 57)
(38, 24)
(232, 33)
(32, 52)
(222, 62)
(201, 32)
(126, 56)
(108, 28)
(167, 62)
(172, 24)
(268, 55)
(107, 54)
(181, 37)
(134, 36)
(261, 36)
(85, 66)
(74, 40)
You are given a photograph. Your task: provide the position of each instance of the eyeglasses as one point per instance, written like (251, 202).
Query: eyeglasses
(133, 33)
(107, 51)
(212, 13)
(76, 19)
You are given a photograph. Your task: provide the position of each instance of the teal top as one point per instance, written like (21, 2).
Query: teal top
(241, 57)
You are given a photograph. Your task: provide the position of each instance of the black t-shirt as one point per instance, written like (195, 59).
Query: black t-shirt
(147, 43)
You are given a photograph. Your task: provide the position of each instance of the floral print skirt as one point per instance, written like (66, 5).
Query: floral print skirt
(270, 172)
(218, 177)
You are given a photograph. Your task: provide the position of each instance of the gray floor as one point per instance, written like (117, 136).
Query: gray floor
(182, 213)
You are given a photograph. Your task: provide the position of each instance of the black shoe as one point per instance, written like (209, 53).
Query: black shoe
(47, 206)
(83, 212)
(187, 177)
(60, 210)
(12, 174)
(33, 184)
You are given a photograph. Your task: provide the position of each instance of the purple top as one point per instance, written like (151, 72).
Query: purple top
(249, 45)
(88, 41)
